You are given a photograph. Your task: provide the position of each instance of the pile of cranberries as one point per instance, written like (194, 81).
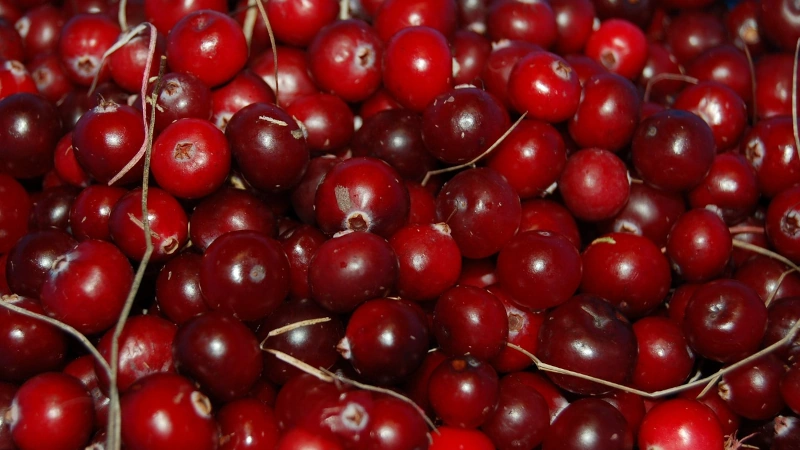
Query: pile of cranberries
(399, 224)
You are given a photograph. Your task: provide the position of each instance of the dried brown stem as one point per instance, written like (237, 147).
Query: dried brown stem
(296, 325)
(249, 22)
(746, 229)
(272, 44)
(772, 294)
(478, 158)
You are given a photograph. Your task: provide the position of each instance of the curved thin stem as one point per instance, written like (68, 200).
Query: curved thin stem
(666, 76)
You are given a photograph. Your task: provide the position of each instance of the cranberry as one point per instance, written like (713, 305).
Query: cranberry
(727, 65)
(417, 66)
(649, 212)
(182, 96)
(395, 15)
(33, 130)
(548, 215)
(127, 64)
(300, 439)
(454, 437)
(15, 205)
(610, 126)
(294, 80)
(781, 317)
(499, 64)
(361, 194)
(395, 425)
(470, 321)
(544, 85)
(725, 320)
(195, 43)
(31, 259)
(779, 18)
(244, 273)
(164, 14)
(300, 245)
(574, 23)
(51, 410)
(247, 424)
(539, 269)
(327, 121)
(84, 40)
(229, 210)
(51, 81)
(581, 335)
(521, 417)
(470, 53)
(589, 423)
(620, 46)
(680, 424)
(730, 188)
(172, 399)
(720, 107)
(533, 22)
(770, 149)
(15, 78)
(664, 358)
(463, 391)
(297, 23)
(690, 33)
(523, 332)
(30, 347)
(429, 261)
(245, 88)
(351, 269)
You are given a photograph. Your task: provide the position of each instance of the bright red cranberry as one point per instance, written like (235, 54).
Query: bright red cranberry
(246, 88)
(127, 63)
(351, 269)
(620, 46)
(665, 359)
(690, 33)
(39, 30)
(247, 424)
(463, 391)
(729, 420)
(499, 64)
(15, 205)
(300, 245)
(539, 269)
(395, 425)
(263, 135)
(470, 54)
(15, 78)
(582, 335)
(547, 215)
(417, 66)
(553, 396)
(680, 424)
(326, 119)
(720, 107)
(220, 353)
(773, 96)
(649, 212)
(730, 188)
(244, 273)
(699, 245)
(229, 210)
(395, 15)
(361, 194)
(770, 149)
(190, 158)
(521, 417)
(30, 347)
(470, 321)
(31, 259)
(594, 184)
(429, 261)
(627, 270)
(673, 150)
(381, 100)
(297, 23)
(33, 130)
(783, 223)
(462, 123)
(386, 340)
(481, 209)
(66, 164)
(725, 320)
(209, 45)
(174, 400)
(300, 439)
(726, 65)
(533, 22)
(51, 82)
(83, 368)
(523, 331)
(423, 204)
(178, 288)
(169, 226)
(545, 86)
(589, 423)
(294, 79)
(574, 23)
(87, 286)
(607, 114)
(51, 410)
(164, 14)
(84, 40)
(91, 212)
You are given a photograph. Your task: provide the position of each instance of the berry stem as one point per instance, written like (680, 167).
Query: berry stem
(296, 325)
(666, 76)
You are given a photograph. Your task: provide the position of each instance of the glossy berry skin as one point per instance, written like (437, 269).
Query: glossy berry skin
(539, 269)
(521, 418)
(300, 245)
(294, 80)
(770, 149)
(345, 59)
(612, 125)
(725, 320)
(664, 357)
(544, 85)
(327, 121)
(169, 225)
(620, 46)
(782, 223)
(229, 210)
(470, 321)
(209, 45)
(30, 260)
(532, 22)
(482, 210)
(250, 424)
(464, 439)
(460, 124)
(395, 425)
(429, 261)
(34, 129)
(754, 390)
(582, 335)
(297, 23)
(167, 398)
(673, 150)
(531, 158)
(594, 184)
(244, 273)
(523, 331)
(361, 194)
(145, 347)
(106, 138)
(84, 40)
(417, 66)
(87, 287)
(15, 207)
(730, 187)
(220, 353)
(29, 347)
(627, 270)
(463, 391)
(781, 316)
(54, 402)
(386, 340)
(680, 424)
(191, 158)
(589, 424)
(182, 96)
(351, 269)
(699, 245)
(720, 107)
(263, 135)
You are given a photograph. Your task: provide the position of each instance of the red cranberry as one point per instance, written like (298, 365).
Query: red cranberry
(395, 425)
(470, 53)
(620, 46)
(589, 423)
(548, 215)
(34, 129)
(327, 121)
(664, 358)
(523, 331)
(499, 64)
(31, 259)
(594, 184)
(84, 40)
(246, 88)
(91, 212)
(720, 107)
(300, 245)
(730, 188)
(610, 126)
(229, 210)
(247, 424)
(30, 347)
(690, 33)
(127, 63)
(429, 261)
(297, 23)
(463, 391)
(770, 149)
(521, 417)
(470, 321)
(395, 15)
(533, 22)
(680, 424)
(294, 80)
(182, 96)
(545, 86)
(453, 437)
(574, 23)
(781, 317)
(164, 14)
(782, 224)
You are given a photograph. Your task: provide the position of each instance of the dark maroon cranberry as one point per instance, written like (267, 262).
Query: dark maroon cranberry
(582, 335)
(314, 344)
(229, 210)
(29, 346)
(31, 259)
(16, 206)
(178, 288)
(247, 424)
(52, 206)
(463, 391)
(523, 332)
(395, 425)
(771, 279)
(650, 212)
(521, 418)
(690, 33)
(300, 245)
(589, 424)
(294, 79)
(607, 114)
(33, 128)
(327, 121)
(783, 223)
(753, 391)
(730, 188)
(781, 317)
(548, 215)
(299, 395)
(770, 149)
(470, 321)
